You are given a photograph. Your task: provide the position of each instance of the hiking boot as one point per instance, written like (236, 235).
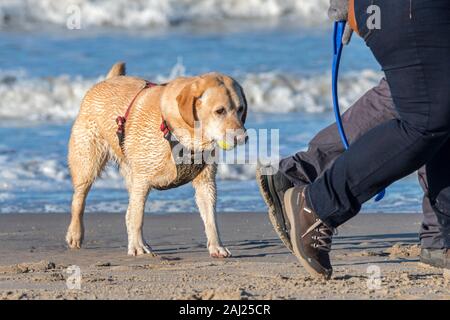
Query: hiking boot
(439, 258)
(272, 187)
(311, 238)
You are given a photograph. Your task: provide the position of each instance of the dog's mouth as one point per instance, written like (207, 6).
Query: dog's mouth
(229, 142)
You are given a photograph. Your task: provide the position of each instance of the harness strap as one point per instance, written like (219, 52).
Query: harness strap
(164, 127)
(121, 120)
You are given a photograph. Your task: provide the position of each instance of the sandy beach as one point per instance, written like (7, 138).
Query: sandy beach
(375, 257)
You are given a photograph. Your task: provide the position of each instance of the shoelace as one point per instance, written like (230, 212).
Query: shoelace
(323, 240)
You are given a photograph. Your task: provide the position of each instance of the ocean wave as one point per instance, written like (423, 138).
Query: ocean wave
(20, 172)
(58, 98)
(160, 13)
(282, 93)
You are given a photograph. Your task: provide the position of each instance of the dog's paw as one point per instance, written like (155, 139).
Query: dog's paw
(74, 238)
(139, 250)
(219, 252)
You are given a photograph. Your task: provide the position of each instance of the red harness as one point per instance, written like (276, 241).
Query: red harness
(121, 120)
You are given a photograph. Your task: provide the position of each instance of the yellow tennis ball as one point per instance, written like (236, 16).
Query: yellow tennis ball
(225, 145)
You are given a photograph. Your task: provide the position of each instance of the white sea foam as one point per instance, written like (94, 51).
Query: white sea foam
(276, 92)
(58, 98)
(161, 13)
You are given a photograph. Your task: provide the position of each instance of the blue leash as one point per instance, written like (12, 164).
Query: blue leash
(339, 28)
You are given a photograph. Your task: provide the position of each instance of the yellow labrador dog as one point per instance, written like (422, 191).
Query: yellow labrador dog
(127, 120)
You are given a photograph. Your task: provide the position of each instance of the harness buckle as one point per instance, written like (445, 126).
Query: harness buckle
(165, 130)
(120, 129)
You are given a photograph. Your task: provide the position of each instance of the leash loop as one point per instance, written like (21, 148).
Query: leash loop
(121, 120)
(338, 33)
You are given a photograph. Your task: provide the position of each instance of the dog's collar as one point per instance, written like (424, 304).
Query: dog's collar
(174, 141)
(165, 129)
(169, 136)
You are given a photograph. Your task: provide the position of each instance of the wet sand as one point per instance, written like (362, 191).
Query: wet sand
(375, 256)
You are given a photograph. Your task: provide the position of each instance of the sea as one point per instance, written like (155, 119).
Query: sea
(279, 50)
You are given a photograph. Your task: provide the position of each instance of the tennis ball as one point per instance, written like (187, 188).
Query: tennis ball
(225, 145)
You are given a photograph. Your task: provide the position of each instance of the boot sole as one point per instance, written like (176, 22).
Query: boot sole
(296, 245)
(275, 210)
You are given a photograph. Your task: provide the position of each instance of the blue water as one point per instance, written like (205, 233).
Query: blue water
(33, 173)
(78, 53)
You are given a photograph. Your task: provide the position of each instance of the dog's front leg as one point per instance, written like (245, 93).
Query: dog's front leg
(205, 197)
(135, 220)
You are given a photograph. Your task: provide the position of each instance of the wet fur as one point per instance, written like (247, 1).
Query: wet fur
(146, 160)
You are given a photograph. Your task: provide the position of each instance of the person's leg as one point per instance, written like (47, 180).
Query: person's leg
(375, 107)
(438, 178)
(414, 55)
(438, 182)
(372, 109)
(430, 235)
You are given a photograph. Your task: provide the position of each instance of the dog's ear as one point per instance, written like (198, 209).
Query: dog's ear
(188, 101)
(244, 115)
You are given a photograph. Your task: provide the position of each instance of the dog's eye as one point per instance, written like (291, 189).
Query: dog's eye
(221, 111)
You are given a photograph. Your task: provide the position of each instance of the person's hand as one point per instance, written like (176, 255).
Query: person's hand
(338, 11)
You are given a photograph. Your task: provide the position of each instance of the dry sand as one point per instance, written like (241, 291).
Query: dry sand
(34, 260)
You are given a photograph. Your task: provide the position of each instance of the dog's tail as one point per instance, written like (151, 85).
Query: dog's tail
(117, 70)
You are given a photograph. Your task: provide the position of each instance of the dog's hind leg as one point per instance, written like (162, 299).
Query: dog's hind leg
(205, 197)
(88, 154)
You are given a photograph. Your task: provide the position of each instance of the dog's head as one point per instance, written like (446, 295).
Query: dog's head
(218, 103)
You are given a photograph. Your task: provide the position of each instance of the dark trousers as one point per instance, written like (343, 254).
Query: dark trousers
(374, 108)
(413, 48)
